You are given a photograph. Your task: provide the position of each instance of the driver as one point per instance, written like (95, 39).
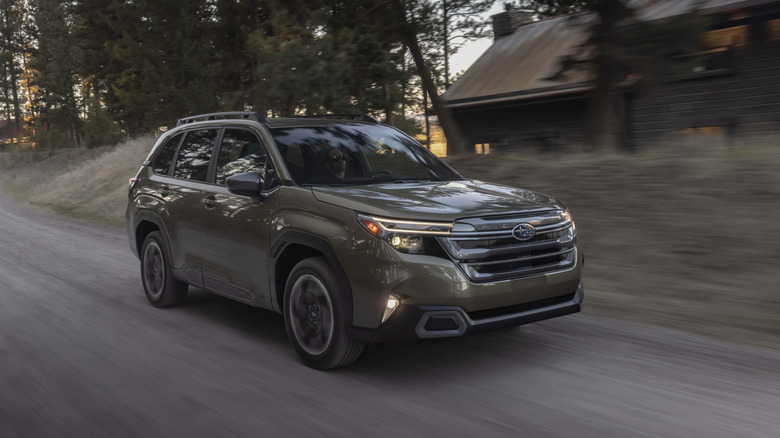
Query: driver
(336, 163)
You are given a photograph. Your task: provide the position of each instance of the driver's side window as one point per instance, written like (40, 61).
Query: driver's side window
(240, 151)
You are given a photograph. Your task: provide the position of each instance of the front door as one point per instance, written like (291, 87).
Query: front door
(236, 229)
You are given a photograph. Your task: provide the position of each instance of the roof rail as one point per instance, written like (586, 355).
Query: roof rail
(359, 117)
(225, 115)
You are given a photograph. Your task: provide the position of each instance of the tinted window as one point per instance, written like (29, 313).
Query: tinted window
(194, 155)
(241, 151)
(356, 154)
(162, 163)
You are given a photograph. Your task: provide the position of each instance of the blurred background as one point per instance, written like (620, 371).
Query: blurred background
(657, 122)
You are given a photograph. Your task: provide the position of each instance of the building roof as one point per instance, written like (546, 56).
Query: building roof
(519, 66)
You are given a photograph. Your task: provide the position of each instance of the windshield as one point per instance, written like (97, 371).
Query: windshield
(356, 154)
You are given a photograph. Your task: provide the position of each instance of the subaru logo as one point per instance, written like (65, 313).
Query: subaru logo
(523, 231)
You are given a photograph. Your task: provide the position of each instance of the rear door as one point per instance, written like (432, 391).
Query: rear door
(236, 229)
(184, 201)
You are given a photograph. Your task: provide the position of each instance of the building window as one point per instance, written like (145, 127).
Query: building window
(482, 148)
(737, 36)
(773, 30)
(707, 63)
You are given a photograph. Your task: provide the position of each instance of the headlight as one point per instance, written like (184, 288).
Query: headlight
(567, 217)
(404, 236)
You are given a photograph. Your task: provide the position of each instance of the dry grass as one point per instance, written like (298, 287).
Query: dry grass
(683, 239)
(683, 236)
(81, 183)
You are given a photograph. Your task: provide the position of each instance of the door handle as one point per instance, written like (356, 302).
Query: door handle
(209, 201)
(164, 191)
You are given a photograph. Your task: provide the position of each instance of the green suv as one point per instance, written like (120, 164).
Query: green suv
(349, 228)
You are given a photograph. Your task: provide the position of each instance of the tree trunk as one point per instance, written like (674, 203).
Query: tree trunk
(446, 46)
(14, 92)
(601, 133)
(446, 120)
(602, 129)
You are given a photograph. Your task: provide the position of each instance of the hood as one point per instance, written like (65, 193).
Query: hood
(434, 201)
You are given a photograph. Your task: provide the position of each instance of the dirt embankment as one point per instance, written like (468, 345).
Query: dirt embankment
(686, 239)
(86, 184)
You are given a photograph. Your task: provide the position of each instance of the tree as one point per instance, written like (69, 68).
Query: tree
(164, 63)
(318, 57)
(406, 29)
(232, 30)
(300, 67)
(54, 76)
(12, 48)
(93, 34)
(455, 23)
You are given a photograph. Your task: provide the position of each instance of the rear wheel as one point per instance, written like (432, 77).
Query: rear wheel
(160, 287)
(314, 317)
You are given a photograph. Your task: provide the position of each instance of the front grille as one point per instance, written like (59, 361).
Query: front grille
(490, 252)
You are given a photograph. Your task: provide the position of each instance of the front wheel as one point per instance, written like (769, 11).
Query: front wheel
(314, 317)
(160, 287)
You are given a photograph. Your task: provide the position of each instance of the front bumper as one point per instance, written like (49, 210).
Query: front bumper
(411, 323)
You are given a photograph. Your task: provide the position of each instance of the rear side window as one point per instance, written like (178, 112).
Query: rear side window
(241, 151)
(162, 163)
(195, 154)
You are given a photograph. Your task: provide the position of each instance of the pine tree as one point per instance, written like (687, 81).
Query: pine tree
(58, 122)
(12, 53)
(231, 29)
(165, 66)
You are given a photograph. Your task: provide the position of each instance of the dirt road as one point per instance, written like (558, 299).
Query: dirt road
(83, 354)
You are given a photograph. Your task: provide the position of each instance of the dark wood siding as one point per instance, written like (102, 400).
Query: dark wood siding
(745, 100)
(541, 126)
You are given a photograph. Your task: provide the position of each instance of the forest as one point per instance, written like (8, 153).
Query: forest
(91, 72)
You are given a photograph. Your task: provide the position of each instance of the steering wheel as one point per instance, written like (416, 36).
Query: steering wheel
(379, 172)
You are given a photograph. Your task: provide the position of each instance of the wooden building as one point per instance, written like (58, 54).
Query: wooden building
(507, 99)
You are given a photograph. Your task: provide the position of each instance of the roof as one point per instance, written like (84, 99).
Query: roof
(519, 66)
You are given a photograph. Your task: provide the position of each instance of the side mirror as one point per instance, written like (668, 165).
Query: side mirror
(247, 184)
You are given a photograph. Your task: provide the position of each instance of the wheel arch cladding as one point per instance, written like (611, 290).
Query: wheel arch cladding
(292, 247)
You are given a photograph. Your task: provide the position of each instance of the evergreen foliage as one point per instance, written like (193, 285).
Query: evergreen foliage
(99, 128)
(52, 64)
(87, 72)
(12, 46)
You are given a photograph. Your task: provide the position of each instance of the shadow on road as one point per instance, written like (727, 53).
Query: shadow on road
(427, 361)
(254, 322)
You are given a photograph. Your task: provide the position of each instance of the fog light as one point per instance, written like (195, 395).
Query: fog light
(392, 304)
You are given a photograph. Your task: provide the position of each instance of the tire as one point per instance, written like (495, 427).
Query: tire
(313, 314)
(160, 287)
